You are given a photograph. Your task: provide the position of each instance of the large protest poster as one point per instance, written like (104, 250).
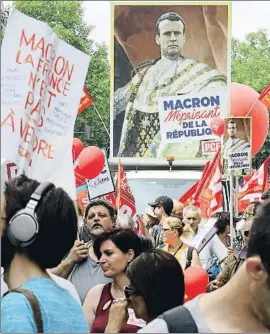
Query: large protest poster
(237, 147)
(42, 79)
(162, 50)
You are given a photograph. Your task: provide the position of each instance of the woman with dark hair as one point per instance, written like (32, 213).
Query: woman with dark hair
(223, 227)
(38, 227)
(114, 250)
(153, 291)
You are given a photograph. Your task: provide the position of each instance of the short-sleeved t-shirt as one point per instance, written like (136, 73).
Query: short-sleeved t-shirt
(60, 311)
(160, 326)
(213, 250)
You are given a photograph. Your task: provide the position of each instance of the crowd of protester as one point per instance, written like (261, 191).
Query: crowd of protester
(105, 277)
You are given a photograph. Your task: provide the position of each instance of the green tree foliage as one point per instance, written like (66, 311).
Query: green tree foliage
(66, 18)
(251, 66)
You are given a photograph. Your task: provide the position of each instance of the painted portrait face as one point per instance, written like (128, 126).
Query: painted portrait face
(171, 38)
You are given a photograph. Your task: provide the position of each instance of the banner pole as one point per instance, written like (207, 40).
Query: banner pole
(252, 107)
(231, 211)
(101, 120)
(236, 196)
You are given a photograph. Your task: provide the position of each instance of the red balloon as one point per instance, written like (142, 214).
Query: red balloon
(77, 147)
(242, 99)
(217, 126)
(79, 178)
(196, 280)
(91, 162)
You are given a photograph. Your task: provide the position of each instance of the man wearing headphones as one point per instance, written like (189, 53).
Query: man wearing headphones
(81, 265)
(33, 218)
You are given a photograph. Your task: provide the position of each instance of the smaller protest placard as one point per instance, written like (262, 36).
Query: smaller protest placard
(236, 151)
(188, 117)
(102, 184)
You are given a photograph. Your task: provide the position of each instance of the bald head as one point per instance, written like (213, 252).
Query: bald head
(178, 208)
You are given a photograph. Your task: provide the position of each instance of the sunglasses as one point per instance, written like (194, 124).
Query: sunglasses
(130, 292)
(246, 233)
(165, 229)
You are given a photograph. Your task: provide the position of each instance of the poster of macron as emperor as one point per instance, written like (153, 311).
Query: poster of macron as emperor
(164, 50)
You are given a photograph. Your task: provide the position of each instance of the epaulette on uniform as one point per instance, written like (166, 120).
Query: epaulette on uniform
(141, 66)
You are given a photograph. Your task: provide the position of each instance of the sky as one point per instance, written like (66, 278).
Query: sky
(247, 16)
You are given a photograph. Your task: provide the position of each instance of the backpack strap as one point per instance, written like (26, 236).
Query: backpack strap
(189, 256)
(34, 303)
(208, 237)
(179, 320)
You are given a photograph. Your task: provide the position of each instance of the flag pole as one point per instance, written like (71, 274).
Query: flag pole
(236, 195)
(101, 119)
(251, 107)
(231, 211)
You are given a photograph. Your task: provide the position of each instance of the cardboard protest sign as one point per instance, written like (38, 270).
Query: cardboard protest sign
(188, 117)
(9, 170)
(42, 79)
(236, 151)
(102, 184)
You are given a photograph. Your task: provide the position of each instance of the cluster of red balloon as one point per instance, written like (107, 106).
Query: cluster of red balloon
(196, 281)
(243, 104)
(91, 161)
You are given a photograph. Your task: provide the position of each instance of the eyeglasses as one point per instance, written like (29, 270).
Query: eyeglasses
(130, 292)
(246, 233)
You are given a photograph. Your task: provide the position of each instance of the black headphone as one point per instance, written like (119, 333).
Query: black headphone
(23, 227)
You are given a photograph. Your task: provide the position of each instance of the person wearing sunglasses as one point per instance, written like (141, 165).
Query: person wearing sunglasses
(153, 291)
(115, 250)
(173, 229)
(234, 261)
(249, 212)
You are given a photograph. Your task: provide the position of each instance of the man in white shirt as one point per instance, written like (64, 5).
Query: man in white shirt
(213, 248)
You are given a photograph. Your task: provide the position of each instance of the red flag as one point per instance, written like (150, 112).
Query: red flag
(125, 201)
(82, 198)
(110, 198)
(255, 187)
(202, 181)
(209, 196)
(265, 96)
(86, 100)
(187, 198)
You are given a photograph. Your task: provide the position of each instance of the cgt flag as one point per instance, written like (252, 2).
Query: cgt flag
(265, 96)
(209, 196)
(125, 201)
(86, 100)
(255, 187)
